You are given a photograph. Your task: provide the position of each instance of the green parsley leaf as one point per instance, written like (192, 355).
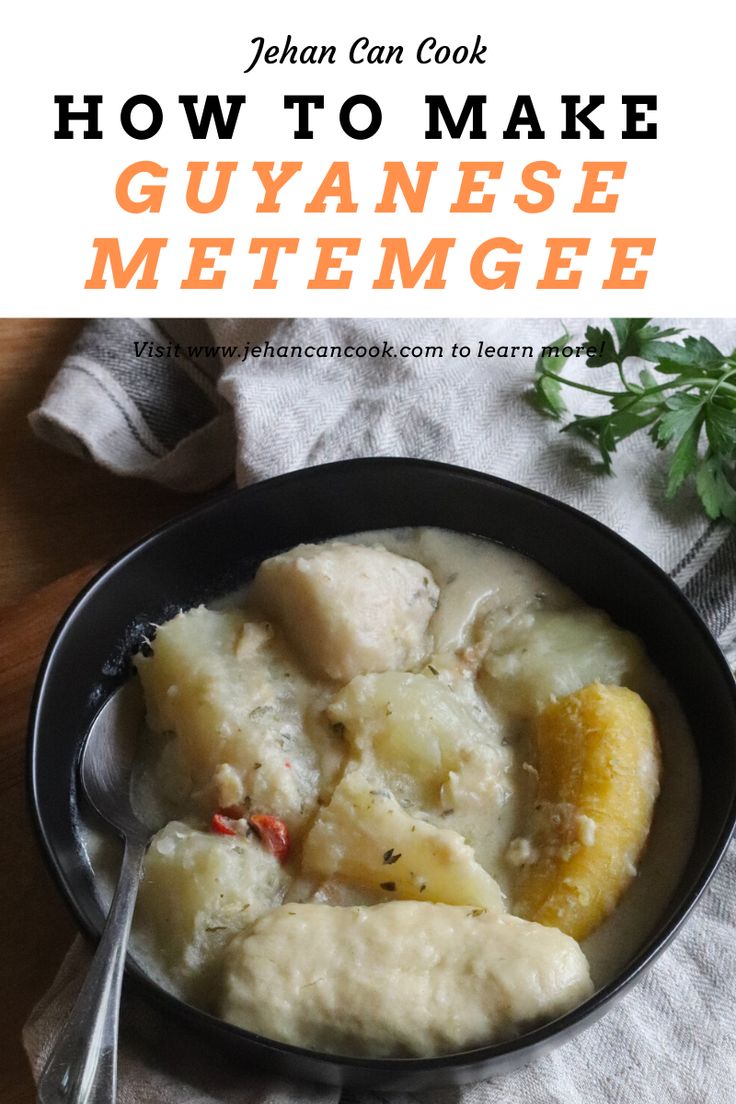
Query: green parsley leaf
(603, 342)
(631, 333)
(647, 379)
(685, 458)
(717, 487)
(686, 401)
(681, 412)
(547, 393)
(703, 353)
(720, 427)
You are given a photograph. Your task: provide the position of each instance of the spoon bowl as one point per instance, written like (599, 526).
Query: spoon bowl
(106, 762)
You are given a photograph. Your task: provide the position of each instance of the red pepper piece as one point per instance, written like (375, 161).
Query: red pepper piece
(273, 833)
(223, 825)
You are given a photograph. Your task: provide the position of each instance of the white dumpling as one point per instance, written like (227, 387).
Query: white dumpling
(348, 609)
(402, 979)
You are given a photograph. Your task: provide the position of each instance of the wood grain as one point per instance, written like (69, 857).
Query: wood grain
(35, 927)
(57, 515)
(57, 512)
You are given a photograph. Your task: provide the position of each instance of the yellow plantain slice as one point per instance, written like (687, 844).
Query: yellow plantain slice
(598, 763)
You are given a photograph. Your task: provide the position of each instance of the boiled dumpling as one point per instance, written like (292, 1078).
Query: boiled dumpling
(404, 979)
(348, 609)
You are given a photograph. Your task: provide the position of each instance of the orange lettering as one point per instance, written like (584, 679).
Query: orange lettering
(327, 261)
(505, 271)
(545, 191)
(469, 186)
(336, 183)
(395, 251)
(197, 169)
(556, 261)
(152, 194)
(622, 261)
(272, 247)
(593, 185)
(414, 194)
(271, 186)
(200, 262)
(108, 252)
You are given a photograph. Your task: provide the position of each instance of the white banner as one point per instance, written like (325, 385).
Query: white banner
(555, 197)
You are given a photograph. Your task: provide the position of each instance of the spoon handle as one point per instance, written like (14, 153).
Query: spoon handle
(82, 1067)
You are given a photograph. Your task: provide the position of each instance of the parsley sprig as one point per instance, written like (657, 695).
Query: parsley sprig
(686, 401)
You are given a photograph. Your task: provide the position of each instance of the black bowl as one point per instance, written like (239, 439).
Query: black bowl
(216, 547)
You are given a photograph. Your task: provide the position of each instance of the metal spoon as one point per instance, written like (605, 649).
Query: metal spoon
(82, 1067)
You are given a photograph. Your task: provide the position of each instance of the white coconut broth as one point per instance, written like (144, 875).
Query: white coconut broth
(490, 577)
(491, 609)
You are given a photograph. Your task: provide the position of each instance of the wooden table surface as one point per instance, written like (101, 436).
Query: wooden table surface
(57, 512)
(58, 515)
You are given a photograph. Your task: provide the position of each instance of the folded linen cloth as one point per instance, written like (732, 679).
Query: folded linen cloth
(176, 402)
(185, 405)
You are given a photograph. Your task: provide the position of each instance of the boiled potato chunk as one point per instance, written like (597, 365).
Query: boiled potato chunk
(598, 762)
(227, 691)
(403, 979)
(419, 732)
(194, 681)
(365, 836)
(348, 609)
(198, 890)
(545, 654)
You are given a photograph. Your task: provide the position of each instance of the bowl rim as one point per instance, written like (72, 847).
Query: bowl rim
(565, 1025)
